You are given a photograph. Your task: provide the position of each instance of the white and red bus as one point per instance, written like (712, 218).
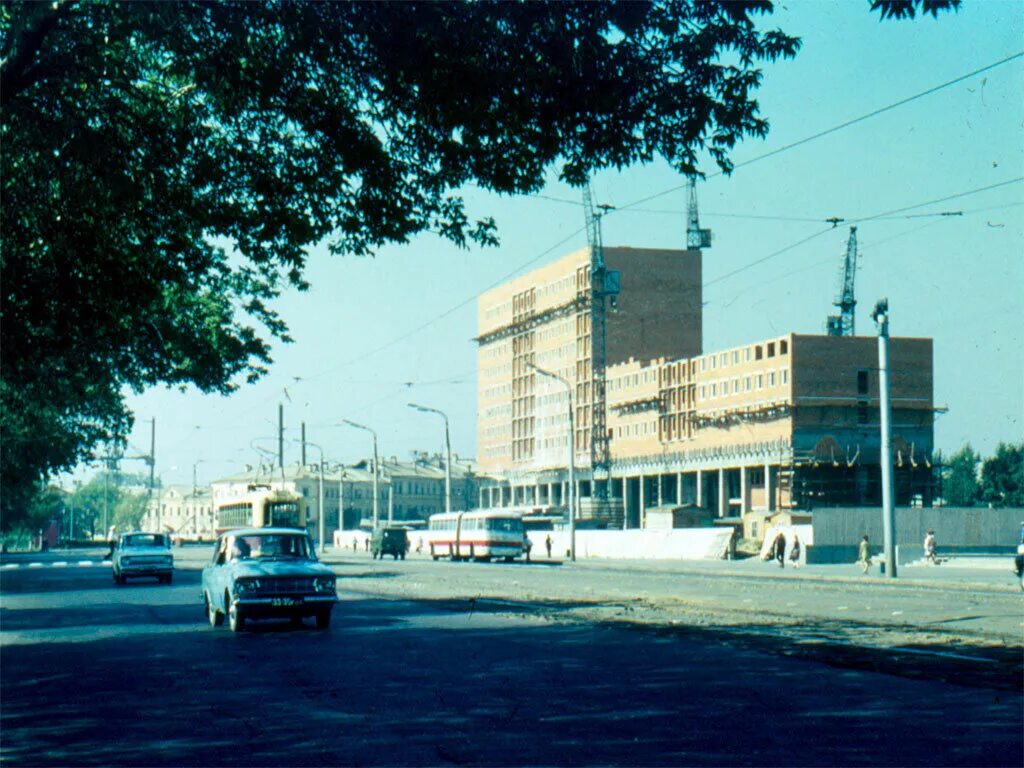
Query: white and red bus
(482, 534)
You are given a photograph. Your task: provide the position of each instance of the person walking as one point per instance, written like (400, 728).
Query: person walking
(864, 554)
(779, 550)
(794, 551)
(929, 548)
(527, 546)
(547, 545)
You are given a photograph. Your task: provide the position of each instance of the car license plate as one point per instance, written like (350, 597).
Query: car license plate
(286, 601)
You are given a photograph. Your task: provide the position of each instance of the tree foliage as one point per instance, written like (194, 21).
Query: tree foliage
(167, 165)
(1002, 476)
(960, 478)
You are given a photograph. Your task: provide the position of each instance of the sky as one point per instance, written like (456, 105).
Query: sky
(374, 334)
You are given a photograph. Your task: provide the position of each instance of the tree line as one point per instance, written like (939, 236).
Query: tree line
(968, 480)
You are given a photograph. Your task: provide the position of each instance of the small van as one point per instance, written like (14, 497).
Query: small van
(389, 541)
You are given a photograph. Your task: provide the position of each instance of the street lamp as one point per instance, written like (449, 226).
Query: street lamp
(572, 458)
(375, 491)
(881, 317)
(448, 455)
(321, 524)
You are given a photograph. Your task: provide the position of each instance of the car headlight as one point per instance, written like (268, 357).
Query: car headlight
(324, 584)
(247, 586)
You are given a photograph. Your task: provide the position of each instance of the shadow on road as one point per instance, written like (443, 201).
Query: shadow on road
(412, 683)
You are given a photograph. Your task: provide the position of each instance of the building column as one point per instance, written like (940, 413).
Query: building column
(625, 503)
(769, 496)
(643, 500)
(700, 489)
(723, 500)
(679, 488)
(743, 490)
(661, 482)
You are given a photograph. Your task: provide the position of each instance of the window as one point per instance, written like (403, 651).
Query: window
(760, 381)
(735, 357)
(862, 382)
(758, 352)
(771, 379)
(785, 375)
(783, 347)
(771, 349)
(735, 386)
(746, 384)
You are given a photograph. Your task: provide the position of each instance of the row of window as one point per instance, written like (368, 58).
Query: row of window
(754, 381)
(754, 352)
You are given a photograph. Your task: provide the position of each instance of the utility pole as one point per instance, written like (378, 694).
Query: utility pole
(152, 468)
(881, 318)
(280, 438)
(303, 443)
(448, 454)
(376, 492)
(572, 458)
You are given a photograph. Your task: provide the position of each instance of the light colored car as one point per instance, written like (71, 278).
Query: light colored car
(262, 573)
(142, 554)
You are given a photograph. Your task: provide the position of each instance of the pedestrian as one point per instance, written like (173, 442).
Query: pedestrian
(355, 544)
(794, 552)
(929, 548)
(779, 550)
(366, 541)
(527, 546)
(547, 544)
(864, 554)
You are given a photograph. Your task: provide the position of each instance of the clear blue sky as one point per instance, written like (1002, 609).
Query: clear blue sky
(375, 334)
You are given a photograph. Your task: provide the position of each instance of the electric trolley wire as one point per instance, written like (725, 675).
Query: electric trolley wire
(835, 128)
(874, 113)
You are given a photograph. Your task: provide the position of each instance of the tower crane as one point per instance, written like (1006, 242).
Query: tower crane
(696, 237)
(843, 323)
(604, 283)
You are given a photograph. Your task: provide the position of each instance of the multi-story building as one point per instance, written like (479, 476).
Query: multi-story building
(179, 509)
(786, 423)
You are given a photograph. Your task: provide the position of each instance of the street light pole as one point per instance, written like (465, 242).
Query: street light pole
(448, 455)
(376, 493)
(321, 523)
(572, 458)
(881, 318)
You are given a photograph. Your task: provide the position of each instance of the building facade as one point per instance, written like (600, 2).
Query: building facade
(790, 422)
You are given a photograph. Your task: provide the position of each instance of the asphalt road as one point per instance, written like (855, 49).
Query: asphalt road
(468, 664)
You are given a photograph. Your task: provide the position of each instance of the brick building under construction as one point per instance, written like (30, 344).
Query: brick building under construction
(785, 423)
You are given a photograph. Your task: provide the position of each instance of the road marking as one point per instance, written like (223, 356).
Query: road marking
(10, 565)
(35, 565)
(61, 564)
(85, 562)
(842, 607)
(897, 613)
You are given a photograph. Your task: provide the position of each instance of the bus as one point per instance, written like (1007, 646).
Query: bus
(261, 507)
(482, 534)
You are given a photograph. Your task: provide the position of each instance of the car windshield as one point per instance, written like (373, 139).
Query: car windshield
(271, 545)
(145, 540)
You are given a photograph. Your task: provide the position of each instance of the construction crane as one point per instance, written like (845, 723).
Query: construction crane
(604, 283)
(843, 323)
(696, 238)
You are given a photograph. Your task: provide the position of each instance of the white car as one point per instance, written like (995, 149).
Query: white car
(142, 554)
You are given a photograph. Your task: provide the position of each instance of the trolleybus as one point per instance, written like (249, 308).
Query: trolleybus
(261, 507)
(480, 535)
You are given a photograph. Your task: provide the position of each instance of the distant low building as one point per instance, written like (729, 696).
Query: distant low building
(181, 510)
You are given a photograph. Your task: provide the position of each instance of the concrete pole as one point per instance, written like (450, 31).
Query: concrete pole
(743, 490)
(723, 502)
(643, 499)
(881, 317)
(769, 496)
(700, 489)
(679, 488)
